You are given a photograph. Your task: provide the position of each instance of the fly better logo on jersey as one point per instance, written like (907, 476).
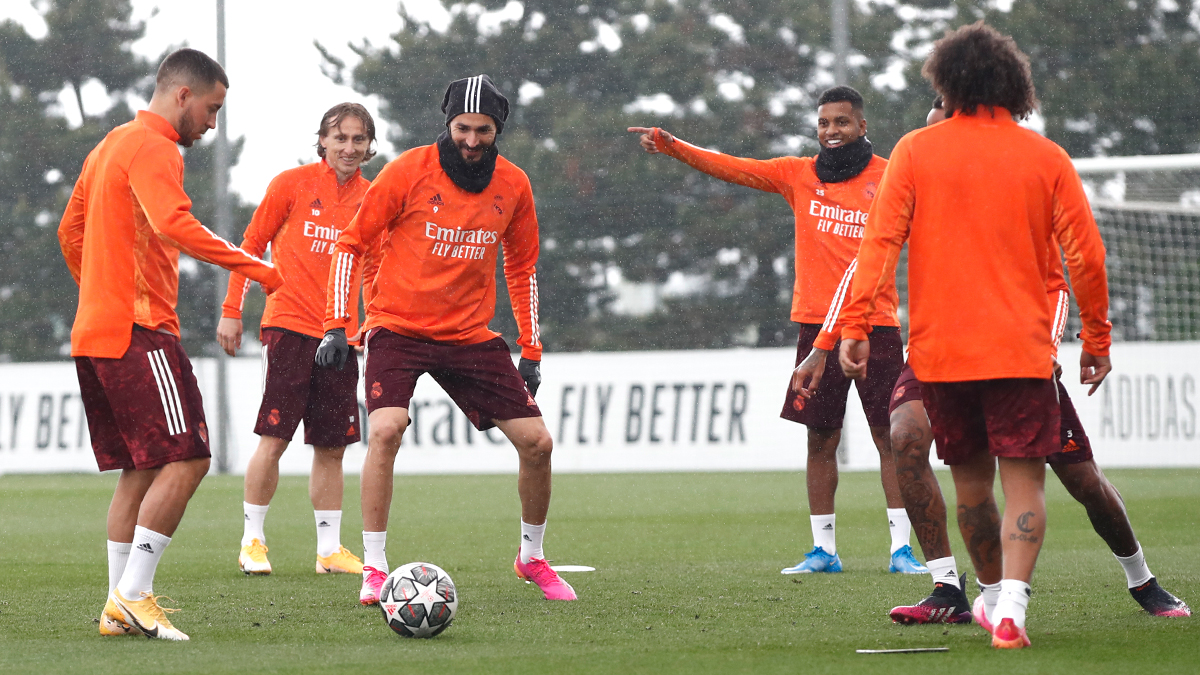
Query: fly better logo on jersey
(455, 242)
(840, 221)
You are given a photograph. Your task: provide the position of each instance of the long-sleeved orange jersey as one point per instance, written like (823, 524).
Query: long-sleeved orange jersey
(1058, 294)
(127, 220)
(829, 219)
(436, 276)
(301, 216)
(981, 202)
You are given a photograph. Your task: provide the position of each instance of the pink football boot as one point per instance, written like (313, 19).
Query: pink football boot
(372, 585)
(538, 571)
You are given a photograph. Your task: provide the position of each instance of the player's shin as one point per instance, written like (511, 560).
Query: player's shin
(1024, 526)
(978, 517)
(1022, 533)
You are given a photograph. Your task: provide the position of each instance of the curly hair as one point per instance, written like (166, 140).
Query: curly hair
(333, 118)
(976, 65)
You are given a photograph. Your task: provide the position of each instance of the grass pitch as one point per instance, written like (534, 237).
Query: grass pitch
(687, 579)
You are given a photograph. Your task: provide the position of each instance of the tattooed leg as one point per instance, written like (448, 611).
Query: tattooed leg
(1088, 485)
(978, 517)
(911, 438)
(1024, 526)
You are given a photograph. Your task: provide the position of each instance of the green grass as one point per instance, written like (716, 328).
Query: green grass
(688, 579)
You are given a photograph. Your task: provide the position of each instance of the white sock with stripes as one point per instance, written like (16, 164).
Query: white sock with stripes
(531, 542)
(138, 577)
(824, 530)
(329, 532)
(255, 516)
(900, 528)
(944, 571)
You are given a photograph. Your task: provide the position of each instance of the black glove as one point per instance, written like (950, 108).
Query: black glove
(333, 350)
(531, 372)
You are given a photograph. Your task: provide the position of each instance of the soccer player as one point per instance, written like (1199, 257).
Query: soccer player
(300, 217)
(125, 224)
(981, 202)
(830, 195)
(444, 210)
(1074, 466)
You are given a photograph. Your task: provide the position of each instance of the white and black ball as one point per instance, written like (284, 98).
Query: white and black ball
(418, 600)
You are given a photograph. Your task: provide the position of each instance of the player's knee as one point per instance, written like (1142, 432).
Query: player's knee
(197, 468)
(537, 448)
(823, 441)
(272, 447)
(1084, 482)
(909, 447)
(387, 432)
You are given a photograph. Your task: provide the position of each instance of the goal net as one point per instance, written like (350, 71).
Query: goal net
(1148, 211)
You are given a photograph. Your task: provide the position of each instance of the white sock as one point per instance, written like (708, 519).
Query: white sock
(255, 515)
(991, 595)
(329, 532)
(531, 542)
(1014, 599)
(118, 555)
(824, 532)
(374, 551)
(944, 571)
(138, 577)
(1136, 570)
(900, 527)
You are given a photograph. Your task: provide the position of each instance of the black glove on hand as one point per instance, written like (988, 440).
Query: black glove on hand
(333, 350)
(531, 372)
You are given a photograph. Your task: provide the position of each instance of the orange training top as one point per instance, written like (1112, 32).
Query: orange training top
(981, 202)
(126, 222)
(301, 216)
(1057, 292)
(829, 219)
(436, 277)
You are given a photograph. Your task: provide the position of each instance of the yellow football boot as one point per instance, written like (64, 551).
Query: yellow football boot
(147, 616)
(340, 561)
(113, 623)
(253, 558)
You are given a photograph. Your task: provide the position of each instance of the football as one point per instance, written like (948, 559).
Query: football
(418, 600)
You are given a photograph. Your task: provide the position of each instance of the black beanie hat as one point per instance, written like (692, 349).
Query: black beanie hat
(475, 95)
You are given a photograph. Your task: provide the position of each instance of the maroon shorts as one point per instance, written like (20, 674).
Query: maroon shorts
(295, 388)
(1015, 418)
(827, 408)
(1076, 448)
(908, 388)
(144, 409)
(480, 378)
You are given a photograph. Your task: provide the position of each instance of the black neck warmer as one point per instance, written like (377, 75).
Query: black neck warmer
(470, 177)
(835, 165)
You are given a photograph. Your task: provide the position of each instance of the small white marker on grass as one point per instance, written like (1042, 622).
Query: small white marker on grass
(572, 568)
(913, 650)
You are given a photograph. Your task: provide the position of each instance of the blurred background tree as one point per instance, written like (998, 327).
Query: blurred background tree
(638, 252)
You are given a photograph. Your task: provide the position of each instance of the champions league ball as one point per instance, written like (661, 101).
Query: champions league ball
(418, 600)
